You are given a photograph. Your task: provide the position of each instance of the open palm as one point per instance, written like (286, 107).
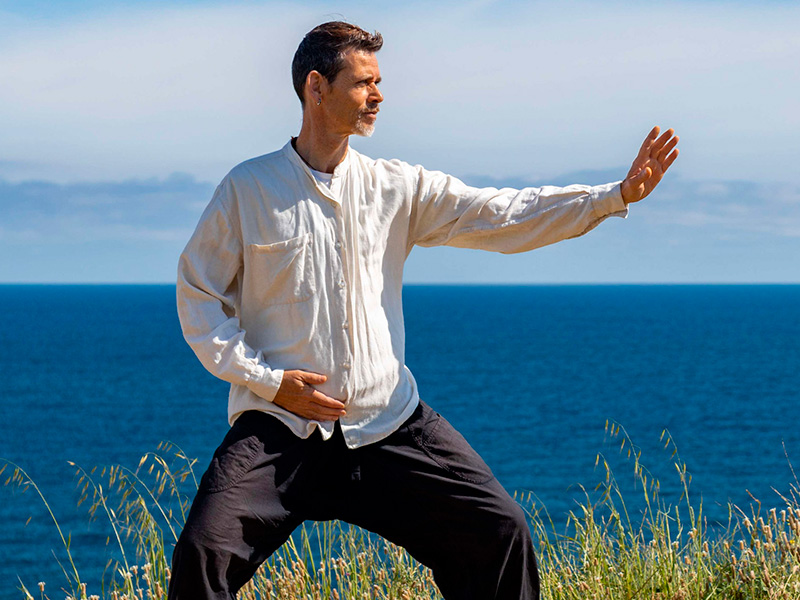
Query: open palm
(655, 157)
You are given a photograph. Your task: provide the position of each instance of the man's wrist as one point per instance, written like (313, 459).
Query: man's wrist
(266, 384)
(607, 200)
(624, 192)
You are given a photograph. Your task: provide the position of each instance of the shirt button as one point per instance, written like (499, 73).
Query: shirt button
(345, 325)
(341, 283)
(338, 245)
(345, 365)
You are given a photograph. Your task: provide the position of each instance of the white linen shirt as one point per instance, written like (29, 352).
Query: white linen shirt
(285, 273)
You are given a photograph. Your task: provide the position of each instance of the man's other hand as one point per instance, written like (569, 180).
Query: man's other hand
(654, 158)
(298, 395)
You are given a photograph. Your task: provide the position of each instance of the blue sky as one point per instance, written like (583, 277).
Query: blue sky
(117, 119)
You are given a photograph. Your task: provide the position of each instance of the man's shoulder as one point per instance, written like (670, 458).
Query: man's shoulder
(388, 165)
(253, 178)
(259, 166)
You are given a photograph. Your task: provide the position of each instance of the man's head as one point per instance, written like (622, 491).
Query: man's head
(336, 63)
(323, 50)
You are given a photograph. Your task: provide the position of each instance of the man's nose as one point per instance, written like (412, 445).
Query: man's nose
(376, 95)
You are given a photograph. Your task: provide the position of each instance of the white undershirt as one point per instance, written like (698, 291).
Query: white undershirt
(324, 178)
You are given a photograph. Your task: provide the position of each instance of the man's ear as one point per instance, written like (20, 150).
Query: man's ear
(316, 86)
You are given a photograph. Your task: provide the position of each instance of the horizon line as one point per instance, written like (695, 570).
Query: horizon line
(442, 284)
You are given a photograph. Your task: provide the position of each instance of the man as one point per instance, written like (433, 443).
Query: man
(290, 289)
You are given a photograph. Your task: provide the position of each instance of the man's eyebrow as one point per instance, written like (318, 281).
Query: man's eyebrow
(358, 78)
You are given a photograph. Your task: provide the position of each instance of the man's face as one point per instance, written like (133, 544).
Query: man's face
(353, 98)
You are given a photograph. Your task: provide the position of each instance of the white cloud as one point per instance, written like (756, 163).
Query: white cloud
(60, 216)
(585, 83)
(484, 87)
(130, 91)
(729, 210)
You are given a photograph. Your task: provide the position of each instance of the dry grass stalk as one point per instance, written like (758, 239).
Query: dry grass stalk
(664, 553)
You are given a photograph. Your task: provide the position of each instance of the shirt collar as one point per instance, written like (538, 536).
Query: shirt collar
(338, 172)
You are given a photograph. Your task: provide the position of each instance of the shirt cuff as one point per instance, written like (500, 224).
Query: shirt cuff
(265, 384)
(607, 200)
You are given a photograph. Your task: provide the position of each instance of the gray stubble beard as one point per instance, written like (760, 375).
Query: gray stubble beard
(363, 129)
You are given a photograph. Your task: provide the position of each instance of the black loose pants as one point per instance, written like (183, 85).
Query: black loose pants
(423, 488)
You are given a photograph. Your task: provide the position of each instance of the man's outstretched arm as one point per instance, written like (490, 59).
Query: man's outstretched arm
(654, 158)
(446, 212)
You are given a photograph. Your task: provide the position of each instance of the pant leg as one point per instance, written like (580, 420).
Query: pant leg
(425, 488)
(246, 507)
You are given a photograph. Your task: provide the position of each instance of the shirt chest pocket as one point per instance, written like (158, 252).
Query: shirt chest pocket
(283, 272)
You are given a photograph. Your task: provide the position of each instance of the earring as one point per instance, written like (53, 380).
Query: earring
(319, 101)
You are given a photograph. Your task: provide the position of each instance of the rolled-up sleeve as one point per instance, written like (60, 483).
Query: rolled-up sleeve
(447, 212)
(209, 275)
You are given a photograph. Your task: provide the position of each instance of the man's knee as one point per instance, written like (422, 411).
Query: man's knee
(190, 561)
(513, 521)
(209, 530)
(190, 541)
(193, 553)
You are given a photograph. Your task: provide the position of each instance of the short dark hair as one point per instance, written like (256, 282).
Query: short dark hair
(323, 49)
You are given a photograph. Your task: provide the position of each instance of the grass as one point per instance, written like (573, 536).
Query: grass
(660, 552)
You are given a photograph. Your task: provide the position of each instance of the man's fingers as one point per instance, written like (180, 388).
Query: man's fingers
(670, 159)
(326, 401)
(298, 395)
(325, 408)
(312, 378)
(324, 414)
(648, 141)
(659, 144)
(653, 144)
(317, 413)
(652, 135)
(667, 148)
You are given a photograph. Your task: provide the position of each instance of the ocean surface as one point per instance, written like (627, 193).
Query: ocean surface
(99, 375)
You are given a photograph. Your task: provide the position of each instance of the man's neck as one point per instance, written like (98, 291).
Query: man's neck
(320, 150)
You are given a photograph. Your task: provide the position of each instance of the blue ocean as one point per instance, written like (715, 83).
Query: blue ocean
(99, 375)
